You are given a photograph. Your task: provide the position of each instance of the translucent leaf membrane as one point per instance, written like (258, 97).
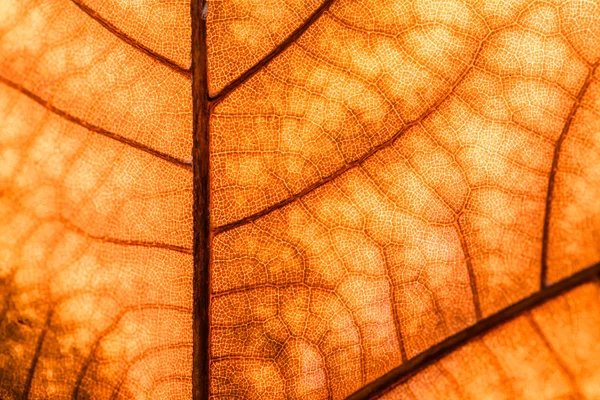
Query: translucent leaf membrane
(157, 26)
(95, 212)
(574, 214)
(550, 352)
(397, 173)
(384, 174)
(241, 33)
(56, 51)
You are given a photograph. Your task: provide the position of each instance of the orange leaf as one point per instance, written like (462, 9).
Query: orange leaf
(310, 199)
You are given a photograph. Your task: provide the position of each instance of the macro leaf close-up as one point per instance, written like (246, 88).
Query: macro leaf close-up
(299, 199)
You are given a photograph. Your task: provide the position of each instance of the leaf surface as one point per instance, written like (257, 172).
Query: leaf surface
(398, 173)
(530, 357)
(95, 237)
(304, 197)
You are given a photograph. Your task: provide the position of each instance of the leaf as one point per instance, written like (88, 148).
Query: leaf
(325, 198)
(95, 237)
(530, 357)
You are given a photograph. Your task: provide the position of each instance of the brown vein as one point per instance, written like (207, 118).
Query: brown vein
(141, 357)
(36, 356)
(107, 331)
(470, 270)
(396, 315)
(358, 162)
(93, 128)
(561, 364)
(131, 41)
(233, 85)
(125, 242)
(201, 211)
(553, 172)
(406, 370)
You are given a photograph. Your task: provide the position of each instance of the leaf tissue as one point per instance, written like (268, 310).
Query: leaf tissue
(299, 199)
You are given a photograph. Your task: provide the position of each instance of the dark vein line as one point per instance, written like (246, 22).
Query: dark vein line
(36, 356)
(171, 378)
(561, 363)
(94, 128)
(401, 373)
(125, 242)
(7, 286)
(470, 270)
(202, 234)
(393, 288)
(359, 161)
(494, 362)
(240, 80)
(141, 357)
(141, 243)
(131, 41)
(396, 319)
(456, 386)
(89, 359)
(553, 172)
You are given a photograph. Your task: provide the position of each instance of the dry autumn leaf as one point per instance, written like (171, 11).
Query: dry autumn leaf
(299, 199)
